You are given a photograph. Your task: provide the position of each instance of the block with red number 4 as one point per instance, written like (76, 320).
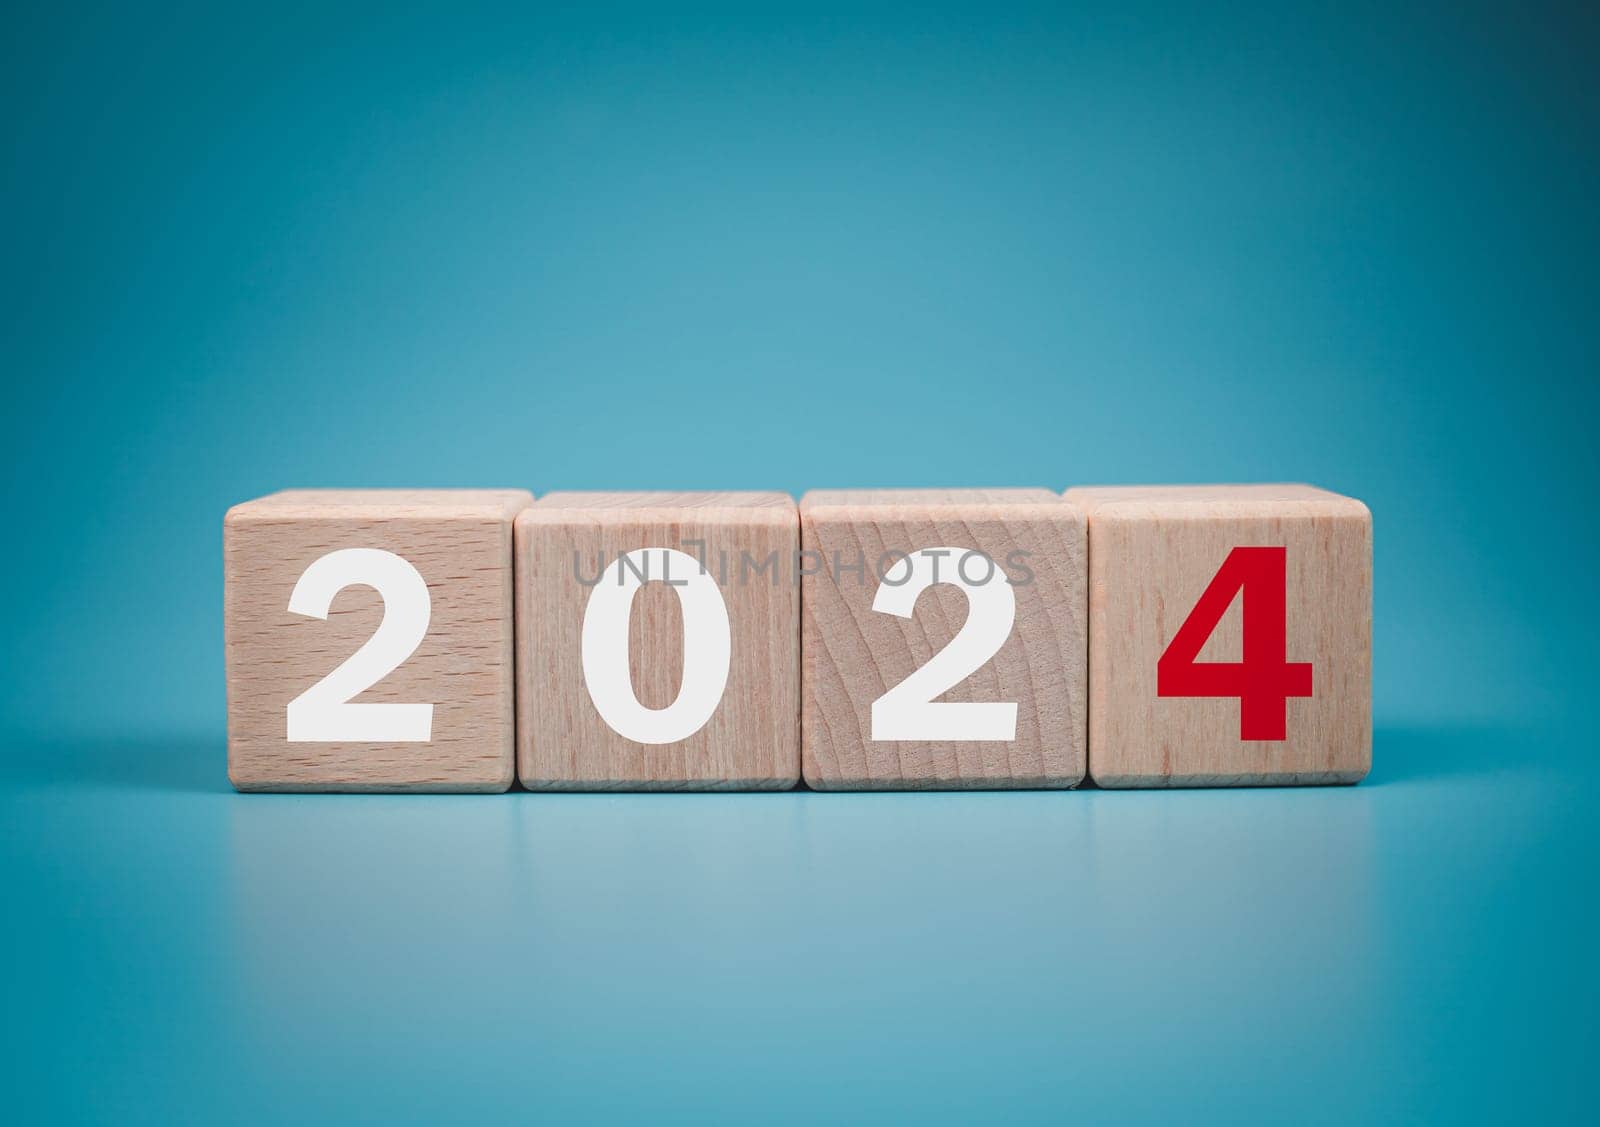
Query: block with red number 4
(1230, 635)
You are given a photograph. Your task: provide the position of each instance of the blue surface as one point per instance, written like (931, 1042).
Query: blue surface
(1419, 947)
(713, 248)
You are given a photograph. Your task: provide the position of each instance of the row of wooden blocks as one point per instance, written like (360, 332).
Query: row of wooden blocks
(456, 640)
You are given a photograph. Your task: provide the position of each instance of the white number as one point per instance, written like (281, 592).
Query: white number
(707, 646)
(908, 711)
(323, 713)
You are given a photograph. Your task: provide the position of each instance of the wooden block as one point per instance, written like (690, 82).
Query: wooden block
(976, 680)
(638, 668)
(1304, 559)
(430, 696)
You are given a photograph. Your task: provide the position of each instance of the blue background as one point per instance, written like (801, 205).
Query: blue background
(722, 248)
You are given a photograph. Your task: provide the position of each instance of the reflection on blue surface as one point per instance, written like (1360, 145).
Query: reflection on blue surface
(1417, 945)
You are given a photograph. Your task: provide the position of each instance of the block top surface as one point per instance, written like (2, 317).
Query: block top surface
(1203, 501)
(881, 504)
(634, 507)
(426, 504)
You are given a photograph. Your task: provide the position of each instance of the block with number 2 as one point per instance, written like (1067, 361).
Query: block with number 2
(944, 641)
(368, 637)
(1230, 635)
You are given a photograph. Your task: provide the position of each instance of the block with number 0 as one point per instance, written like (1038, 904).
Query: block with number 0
(369, 640)
(944, 639)
(658, 642)
(1230, 635)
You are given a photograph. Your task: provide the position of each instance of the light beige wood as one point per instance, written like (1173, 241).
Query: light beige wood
(1152, 552)
(853, 654)
(751, 741)
(460, 542)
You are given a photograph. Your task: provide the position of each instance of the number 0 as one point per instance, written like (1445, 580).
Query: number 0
(707, 648)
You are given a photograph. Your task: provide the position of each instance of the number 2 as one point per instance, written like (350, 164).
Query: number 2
(1265, 679)
(908, 711)
(323, 713)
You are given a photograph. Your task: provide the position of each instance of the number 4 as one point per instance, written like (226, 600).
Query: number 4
(1265, 679)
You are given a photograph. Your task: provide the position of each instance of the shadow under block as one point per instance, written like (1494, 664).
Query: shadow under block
(445, 611)
(1153, 551)
(644, 639)
(854, 654)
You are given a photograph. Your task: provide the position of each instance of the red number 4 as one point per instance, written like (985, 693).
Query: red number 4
(1265, 679)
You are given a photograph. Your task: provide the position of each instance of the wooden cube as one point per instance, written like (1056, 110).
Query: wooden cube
(1230, 635)
(658, 639)
(369, 640)
(944, 639)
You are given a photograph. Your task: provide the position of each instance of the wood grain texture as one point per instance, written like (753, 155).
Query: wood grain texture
(1152, 551)
(853, 654)
(460, 542)
(751, 741)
